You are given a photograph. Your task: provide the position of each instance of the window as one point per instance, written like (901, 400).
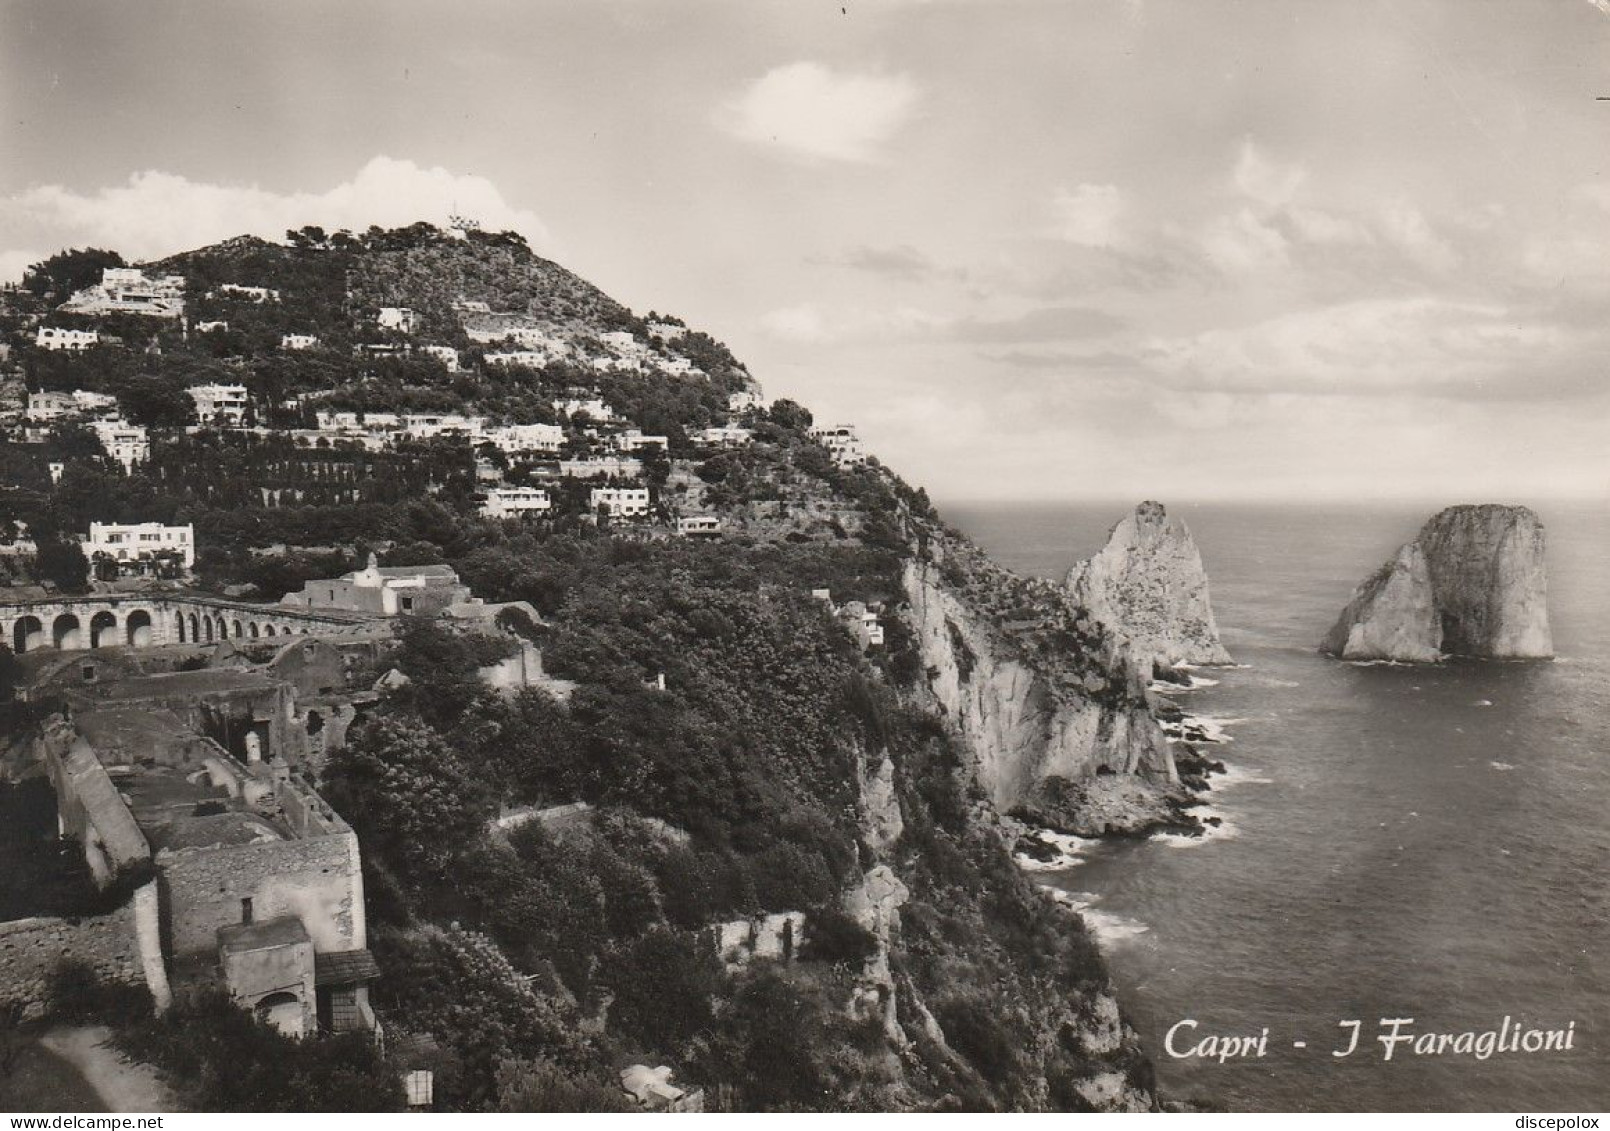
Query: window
(88, 672)
(246, 910)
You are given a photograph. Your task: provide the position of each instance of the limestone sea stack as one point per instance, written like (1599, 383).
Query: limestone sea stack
(1147, 585)
(1472, 583)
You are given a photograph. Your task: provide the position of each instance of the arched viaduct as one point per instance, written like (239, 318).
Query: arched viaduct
(150, 620)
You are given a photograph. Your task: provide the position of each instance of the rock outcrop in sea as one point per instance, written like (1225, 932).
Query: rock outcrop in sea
(1147, 585)
(1472, 583)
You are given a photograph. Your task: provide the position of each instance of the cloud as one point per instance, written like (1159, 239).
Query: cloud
(1090, 215)
(808, 324)
(808, 110)
(1265, 180)
(1242, 244)
(1421, 345)
(1048, 324)
(1406, 227)
(901, 262)
(156, 213)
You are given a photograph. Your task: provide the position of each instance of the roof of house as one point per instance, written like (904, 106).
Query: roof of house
(344, 968)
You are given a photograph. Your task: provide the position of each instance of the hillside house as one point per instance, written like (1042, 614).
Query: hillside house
(250, 294)
(209, 327)
(620, 502)
(633, 440)
(135, 542)
(398, 318)
(46, 406)
(612, 467)
(511, 502)
(679, 366)
(219, 404)
(298, 341)
(127, 443)
(699, 526)
(389, 591)
(593, 408)
(61, 338)
(666, 331)
(128, 290)
(447, 355)
(518, 438)
(532, 359)
(429, 425)
(841, 443)
(723, 436)
(746, 398)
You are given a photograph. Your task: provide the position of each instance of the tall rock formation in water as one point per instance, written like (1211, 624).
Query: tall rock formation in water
(1472, 583)
(1147, 586)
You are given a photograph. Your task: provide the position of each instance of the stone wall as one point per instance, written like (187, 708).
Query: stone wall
(318, 880)
(120, 947)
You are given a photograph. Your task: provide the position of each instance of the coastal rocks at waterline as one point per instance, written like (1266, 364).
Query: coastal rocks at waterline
(1147, 585)
(1472, 583)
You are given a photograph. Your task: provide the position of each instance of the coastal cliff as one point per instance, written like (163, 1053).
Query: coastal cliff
(1147, 585)
(1472, 583)
(1050, 702)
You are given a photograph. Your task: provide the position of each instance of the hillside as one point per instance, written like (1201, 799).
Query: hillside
(745, 747)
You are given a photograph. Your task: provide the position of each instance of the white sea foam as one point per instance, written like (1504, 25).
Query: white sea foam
(1501, 765)
(1484, 703)
(1070, 852)
(1226, 829)
(1108, 927)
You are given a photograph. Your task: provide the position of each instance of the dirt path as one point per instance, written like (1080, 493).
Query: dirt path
(123, 1085)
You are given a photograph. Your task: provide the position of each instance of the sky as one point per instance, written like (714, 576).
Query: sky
(1177, 249)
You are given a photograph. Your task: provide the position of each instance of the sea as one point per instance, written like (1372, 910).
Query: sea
(1426, 844)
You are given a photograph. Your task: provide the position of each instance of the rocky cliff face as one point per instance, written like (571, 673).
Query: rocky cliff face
(1040, 698)
(1472, 583)
(1147, 585)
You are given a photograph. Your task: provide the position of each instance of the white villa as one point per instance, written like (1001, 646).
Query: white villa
(723, 436)
(593, 407)
(622, 467)
(298, 341)
(129, 542)
(254, 294)
(620, 502)
(516, 438)
(447, 355)
(219, 403)
(746, 398)
(699, 526)
(841, 442)
(398, 318)
(127, 290)
(61, 338)
(44, 405)
(633, 440)
(508, 502)
(127, 443)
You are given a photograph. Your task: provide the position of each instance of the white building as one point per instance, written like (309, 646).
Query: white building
(621, 341)
(209, 327)
(620, 502)
(127, 443)
(471, 306)
(253, 294)
(666, 331)
(130, 542)
(632, 440)
(863, 624)
(45, 405)
(746, 398)
(429, 425)
(127, 290)
(507, 502)
(516, 438)
(333, 421)
(398, 318)
(219, 403)
(61, 338)
(536, 359)
(620, 467)
(699, 526)
(723, 436)
(298, 341)
(841, 442)
(592, 407)
(447, 355)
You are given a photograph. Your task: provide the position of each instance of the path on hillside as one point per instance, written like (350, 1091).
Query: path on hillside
(123, 1085)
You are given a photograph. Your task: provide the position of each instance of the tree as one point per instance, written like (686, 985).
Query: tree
(540, 1085)
(63, 564)
(408, 795)
(791, 415)
(67, 272)
(157, 402)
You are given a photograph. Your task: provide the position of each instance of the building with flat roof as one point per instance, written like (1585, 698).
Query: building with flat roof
(387, 590)
(136, 542)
